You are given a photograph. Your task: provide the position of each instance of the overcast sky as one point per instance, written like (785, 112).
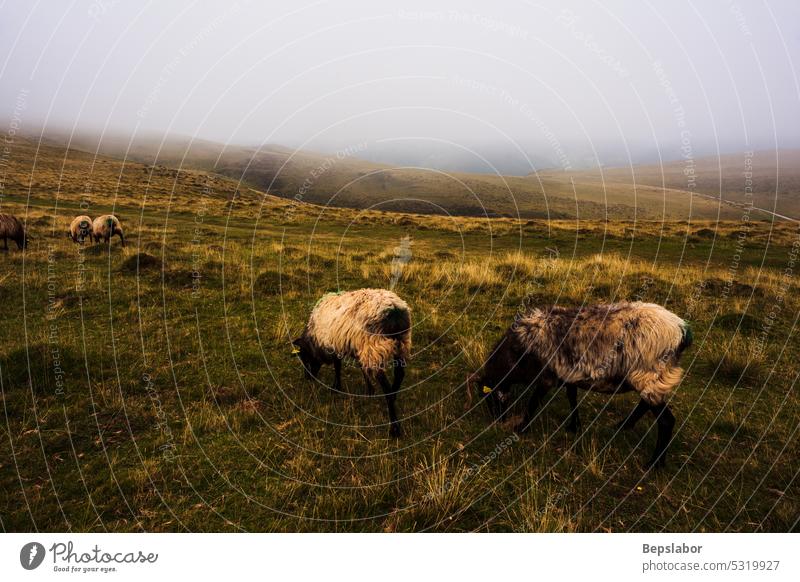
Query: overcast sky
(556, 80)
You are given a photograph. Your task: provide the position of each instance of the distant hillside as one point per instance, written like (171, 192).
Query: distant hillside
(769, 180)
(346, 181)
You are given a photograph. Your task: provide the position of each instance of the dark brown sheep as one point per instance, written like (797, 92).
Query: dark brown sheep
(12, 228)
(607, 348)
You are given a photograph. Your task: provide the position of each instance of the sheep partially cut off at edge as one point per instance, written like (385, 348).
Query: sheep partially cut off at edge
(371, 326)
(12, 228)
(608, 348)
(106, 226)
(80, 229)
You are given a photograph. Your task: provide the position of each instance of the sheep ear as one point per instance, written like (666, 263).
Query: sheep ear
(296, 345)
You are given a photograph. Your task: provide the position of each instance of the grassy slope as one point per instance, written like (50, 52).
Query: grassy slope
(352, 183)
(185, 410)
(773, 177)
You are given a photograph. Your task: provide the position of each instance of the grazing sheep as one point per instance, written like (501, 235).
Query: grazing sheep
(11, 228)
(372, 326)
(106, 226)
(608, 348)
(80, 228)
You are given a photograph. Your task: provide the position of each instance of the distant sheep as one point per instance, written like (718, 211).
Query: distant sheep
(106, 226)
(607, 348)
(80, 229)
(372, 326)
(12, 228)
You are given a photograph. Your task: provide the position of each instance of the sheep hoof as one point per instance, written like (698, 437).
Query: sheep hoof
(394, 431)
(574, 427)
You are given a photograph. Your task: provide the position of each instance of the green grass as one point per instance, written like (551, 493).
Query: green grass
(178, 405)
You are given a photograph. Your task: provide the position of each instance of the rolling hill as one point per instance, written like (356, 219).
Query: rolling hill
(769, 180)
(346, 181)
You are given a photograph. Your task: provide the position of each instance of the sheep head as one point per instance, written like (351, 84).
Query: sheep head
(495, 396)
(303, 348)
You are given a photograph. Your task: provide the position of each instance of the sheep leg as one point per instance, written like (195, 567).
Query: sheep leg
(337, 379)
(121, 237)
(368, 382)
(391, 396)
(5, 244)
(539, 392)
(399, 374)
(666, 422)
(311, 370)
(641, 408)
(573, 420)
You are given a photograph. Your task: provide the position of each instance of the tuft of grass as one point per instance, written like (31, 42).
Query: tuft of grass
(739, 363)
(473, 350)
(273, 283)
(743, 323)
(444, 488)
(735, 367)
(545, 509)
(141, 262)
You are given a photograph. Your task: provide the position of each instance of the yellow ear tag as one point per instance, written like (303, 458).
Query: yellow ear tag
(295, 350)
(487, 390)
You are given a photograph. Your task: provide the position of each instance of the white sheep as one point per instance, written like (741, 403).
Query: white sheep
(106, 226)
(608, 348)
(372, 326)
(80, 228)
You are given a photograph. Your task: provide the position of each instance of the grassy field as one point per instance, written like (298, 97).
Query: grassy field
(153, 387)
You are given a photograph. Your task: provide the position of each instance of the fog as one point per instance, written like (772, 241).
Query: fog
(512, 86)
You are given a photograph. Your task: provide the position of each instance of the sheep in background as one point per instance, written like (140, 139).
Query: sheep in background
(372, 326)
(80, 228)
(608, 348)
(12, 228)
(106, 226)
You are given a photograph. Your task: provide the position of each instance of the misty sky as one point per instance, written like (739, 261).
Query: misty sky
(442, 83)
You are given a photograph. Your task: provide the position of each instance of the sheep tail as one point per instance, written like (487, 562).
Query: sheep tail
(654, 386)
